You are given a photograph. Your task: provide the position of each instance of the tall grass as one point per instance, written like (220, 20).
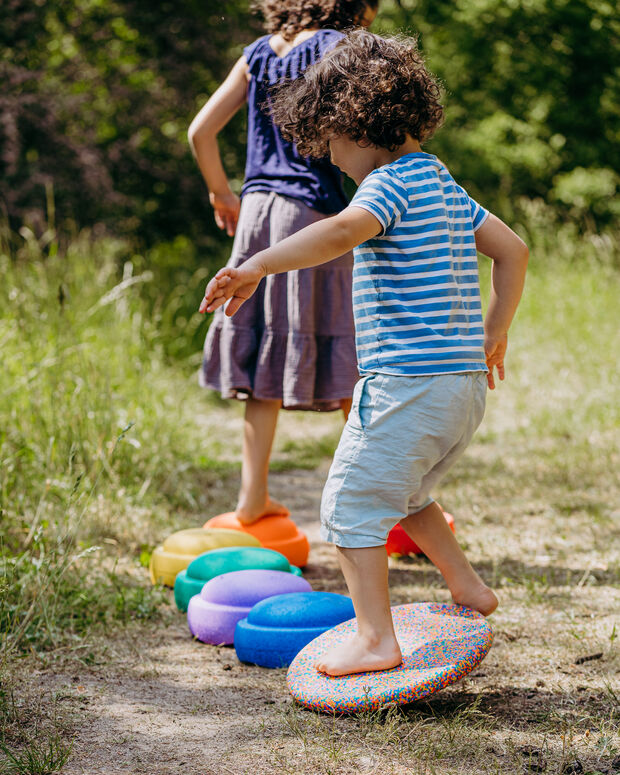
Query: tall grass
(564, 342)
(98, 444)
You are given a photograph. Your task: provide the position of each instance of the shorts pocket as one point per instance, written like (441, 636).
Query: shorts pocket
(365, 396)
(354, 420)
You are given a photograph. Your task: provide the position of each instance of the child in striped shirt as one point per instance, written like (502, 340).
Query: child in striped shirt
(424, 352)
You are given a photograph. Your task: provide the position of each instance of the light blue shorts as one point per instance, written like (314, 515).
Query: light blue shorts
(402, 436)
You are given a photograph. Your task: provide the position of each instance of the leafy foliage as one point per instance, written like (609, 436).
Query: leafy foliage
(98, 95)
(533, 95)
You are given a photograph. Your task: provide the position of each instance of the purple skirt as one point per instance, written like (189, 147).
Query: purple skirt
(294, 340)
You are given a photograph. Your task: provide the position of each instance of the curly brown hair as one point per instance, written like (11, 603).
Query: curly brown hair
(288, 17)
(367, 88)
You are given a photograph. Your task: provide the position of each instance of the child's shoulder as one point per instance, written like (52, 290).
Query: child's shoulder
(308, 51)
(391, 175)
(414, 165)
(259, 45)
(410, 170)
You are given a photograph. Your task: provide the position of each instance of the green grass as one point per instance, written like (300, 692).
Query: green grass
(107, 444)
(38, 745)
(35, 758)
(305, 453)
(99, 447)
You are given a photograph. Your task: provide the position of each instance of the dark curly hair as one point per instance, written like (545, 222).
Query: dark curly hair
(288, 17)
(367, 88)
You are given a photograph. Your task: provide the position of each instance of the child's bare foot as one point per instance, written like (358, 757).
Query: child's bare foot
(249, 511)
(357, 655)
(480, 597)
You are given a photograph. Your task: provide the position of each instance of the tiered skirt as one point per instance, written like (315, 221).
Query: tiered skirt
(294, 340)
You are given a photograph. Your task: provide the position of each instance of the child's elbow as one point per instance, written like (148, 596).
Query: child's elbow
(524, 253)
(192, 132)
(199, 128)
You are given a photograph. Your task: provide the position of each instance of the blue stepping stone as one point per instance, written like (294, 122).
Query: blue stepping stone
(278, 628)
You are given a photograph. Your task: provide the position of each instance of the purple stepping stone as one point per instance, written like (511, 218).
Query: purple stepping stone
(224, 600)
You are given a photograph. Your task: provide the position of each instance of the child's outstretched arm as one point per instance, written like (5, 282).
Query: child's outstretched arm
(510, 257)
(316, 244)
(202, 135)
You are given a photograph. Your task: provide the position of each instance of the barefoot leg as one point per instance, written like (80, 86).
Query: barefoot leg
(261, 418)
(430, 531)
(374, 646)
(345, 405)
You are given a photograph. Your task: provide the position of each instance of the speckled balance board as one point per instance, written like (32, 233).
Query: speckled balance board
(440, 644)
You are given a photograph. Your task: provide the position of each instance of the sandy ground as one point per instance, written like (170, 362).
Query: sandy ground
(161, 703)
(164, 703)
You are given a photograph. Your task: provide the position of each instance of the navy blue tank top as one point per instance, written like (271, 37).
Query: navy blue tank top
(273, 163)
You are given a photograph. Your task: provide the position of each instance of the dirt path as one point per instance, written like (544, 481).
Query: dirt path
(161, 703)
(167, 704)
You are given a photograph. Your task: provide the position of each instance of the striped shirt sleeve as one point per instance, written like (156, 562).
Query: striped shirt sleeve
(383, 195)
(478, 213)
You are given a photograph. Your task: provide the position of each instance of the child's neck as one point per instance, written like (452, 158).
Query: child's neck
(282, 45)
(383, 156)
(359, 159)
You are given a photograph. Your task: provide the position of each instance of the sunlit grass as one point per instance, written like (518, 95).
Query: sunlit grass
(99, 447)
(107, 445)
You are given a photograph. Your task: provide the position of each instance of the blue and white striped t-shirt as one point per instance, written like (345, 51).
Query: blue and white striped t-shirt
(416, 297)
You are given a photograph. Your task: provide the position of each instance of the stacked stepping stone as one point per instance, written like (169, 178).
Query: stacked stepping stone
(241, 583)
(278, 533)
(277, 628)
(180, 548)
(398, 542)
(213, 614)
(190, 582)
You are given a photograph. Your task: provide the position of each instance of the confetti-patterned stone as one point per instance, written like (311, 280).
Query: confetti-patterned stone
(440, 644)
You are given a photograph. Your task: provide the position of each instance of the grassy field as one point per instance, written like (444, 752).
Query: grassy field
(107, 445)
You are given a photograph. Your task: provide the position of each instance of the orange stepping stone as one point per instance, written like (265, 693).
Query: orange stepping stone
(276, 532)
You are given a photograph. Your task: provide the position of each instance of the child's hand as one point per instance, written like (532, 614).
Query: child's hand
(235, 284)
(226, 207)
(495, 350)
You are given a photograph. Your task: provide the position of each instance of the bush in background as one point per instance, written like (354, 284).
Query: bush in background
(97, 97)
(95, 105)
(533, 95)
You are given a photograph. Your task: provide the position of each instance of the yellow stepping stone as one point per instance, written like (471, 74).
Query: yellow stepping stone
(180, 548)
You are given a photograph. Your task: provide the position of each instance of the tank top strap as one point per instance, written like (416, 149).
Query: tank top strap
(265, 65)
(256, 53)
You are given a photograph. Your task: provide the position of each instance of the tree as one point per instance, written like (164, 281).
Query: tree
(533, 96)
(98, 100)
(98, 95)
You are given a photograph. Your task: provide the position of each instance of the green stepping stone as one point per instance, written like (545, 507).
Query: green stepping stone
(207, 566)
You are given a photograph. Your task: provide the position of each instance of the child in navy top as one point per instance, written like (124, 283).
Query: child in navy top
(293, 346)
(425, 353)
(273, 163)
